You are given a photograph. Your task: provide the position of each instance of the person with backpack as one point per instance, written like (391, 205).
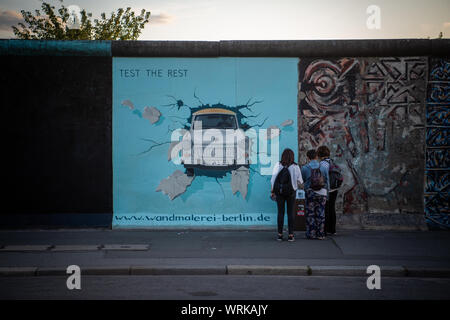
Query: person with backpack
(285, 180)
(316, 190)
(336, 180)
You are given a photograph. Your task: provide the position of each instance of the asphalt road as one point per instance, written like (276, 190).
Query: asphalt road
(222, 288)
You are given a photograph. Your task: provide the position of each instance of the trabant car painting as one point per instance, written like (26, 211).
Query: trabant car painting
(217, 141)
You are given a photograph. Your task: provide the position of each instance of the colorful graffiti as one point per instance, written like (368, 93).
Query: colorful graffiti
(438, 116)
(437, 163)
(437, 159)
(370, 113)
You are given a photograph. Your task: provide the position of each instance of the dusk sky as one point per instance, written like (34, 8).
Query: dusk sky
(264, 19)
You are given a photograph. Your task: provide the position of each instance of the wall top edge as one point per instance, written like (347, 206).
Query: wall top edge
(228, 48)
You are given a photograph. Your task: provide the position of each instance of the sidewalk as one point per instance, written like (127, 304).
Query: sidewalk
(131, 252)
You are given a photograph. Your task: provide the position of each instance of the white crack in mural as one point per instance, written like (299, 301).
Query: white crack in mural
(175, 184)
(152, 114)
(128, 104)
(239, 181)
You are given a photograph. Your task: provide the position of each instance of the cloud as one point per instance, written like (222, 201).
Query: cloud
(161, 18)
(9, 18)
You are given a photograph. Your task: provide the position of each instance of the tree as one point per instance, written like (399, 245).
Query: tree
(51, 24)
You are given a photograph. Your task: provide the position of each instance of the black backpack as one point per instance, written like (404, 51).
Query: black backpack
(283, 184)
(317, 180)
(335, 173)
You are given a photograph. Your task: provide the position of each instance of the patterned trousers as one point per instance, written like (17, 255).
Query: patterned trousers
(315, 215)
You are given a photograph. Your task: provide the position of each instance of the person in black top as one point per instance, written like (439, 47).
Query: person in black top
(330, 206)
(285, 180)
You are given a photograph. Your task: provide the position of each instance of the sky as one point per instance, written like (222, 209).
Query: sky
(214, 20)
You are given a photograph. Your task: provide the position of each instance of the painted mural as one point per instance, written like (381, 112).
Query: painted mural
(370, 113)
(437, 145)
(174, 163)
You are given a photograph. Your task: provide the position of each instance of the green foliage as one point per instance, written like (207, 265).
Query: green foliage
(51, 24)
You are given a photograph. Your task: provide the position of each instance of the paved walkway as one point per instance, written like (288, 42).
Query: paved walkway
(111, 252)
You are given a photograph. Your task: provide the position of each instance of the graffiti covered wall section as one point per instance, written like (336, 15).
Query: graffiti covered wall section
(437, 163)
(157, 182)
(370, 113)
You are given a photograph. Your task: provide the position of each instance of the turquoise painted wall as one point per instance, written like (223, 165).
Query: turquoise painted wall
(267, 85)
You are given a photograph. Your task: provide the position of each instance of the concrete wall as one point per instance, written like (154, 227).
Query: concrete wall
(56, 137)
(382, 106)
(437, 161)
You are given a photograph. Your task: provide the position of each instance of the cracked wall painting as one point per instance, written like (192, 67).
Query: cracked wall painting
(437, 164)
(154, 97)
(370, 112)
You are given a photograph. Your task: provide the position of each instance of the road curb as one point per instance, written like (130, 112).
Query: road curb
(267, 270)
(25, 248)
(75, 248)
(87, 271)
(50, 271)
(106, 271)
(357, 271)
(17, 271)
(238, 270)
(179, 270)
(427, 272)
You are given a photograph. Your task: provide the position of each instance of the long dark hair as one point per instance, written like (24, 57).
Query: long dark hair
(287, 157)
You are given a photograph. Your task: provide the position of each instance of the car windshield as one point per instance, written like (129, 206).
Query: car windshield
(216, 121)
